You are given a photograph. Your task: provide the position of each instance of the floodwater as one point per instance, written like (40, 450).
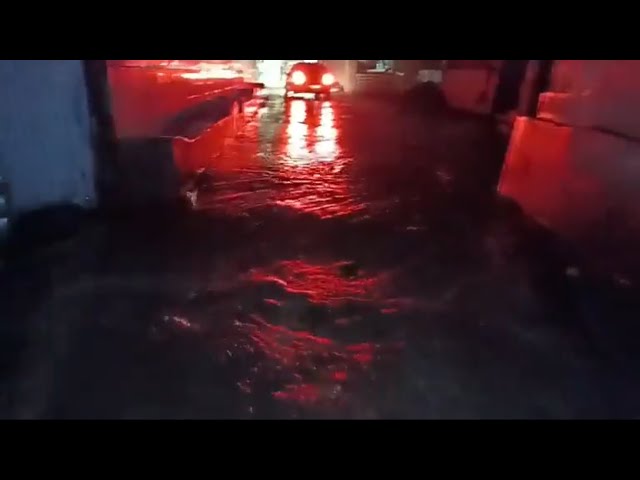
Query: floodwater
(345, 260)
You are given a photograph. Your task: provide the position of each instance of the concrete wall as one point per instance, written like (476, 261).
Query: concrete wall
(146, 102)
(576, 167)
(45, 137)
(601, 94)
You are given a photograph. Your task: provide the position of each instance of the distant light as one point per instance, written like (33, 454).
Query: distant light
(328, 79)
(298, 77)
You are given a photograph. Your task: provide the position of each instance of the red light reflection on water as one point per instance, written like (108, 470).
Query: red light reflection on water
(310, 370)
(297, 134)
(320, 364)
(305, 145)
(321, 283)
(314, 163)
(314, 370)
(326, 147)
(301, 166)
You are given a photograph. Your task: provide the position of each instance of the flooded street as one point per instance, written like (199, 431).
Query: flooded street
(345, 259)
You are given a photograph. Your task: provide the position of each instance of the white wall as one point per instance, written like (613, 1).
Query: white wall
(595, 93)
(579, 174)
(45, 147)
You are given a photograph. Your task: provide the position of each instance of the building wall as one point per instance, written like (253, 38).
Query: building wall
(345, 72)
(471, 84)
(45, 138)
(411, 68)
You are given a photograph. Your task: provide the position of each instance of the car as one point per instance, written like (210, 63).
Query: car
(310, 78)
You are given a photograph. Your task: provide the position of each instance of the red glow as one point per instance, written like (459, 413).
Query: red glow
(304, 394)
(322, 284)
(294, 365)
(310, 159)
(298, 77)
(363, 353)
(313, 370)
(328, 79)
(299, 366)
(340, 376)
(316, 162)
(297, 132)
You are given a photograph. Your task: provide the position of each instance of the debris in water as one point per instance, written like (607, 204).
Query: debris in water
(388, 311)
(573, 272)
(244, 386)
(179, 322)
(622, 281)
(349, 269)
(273, 301)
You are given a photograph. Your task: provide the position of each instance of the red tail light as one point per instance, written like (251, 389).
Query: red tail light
(298, 77)
(328, 79)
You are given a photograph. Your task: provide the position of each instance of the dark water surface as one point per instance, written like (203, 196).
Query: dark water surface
(346, 260)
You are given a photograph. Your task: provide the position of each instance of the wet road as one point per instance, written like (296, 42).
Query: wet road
(346, 260)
